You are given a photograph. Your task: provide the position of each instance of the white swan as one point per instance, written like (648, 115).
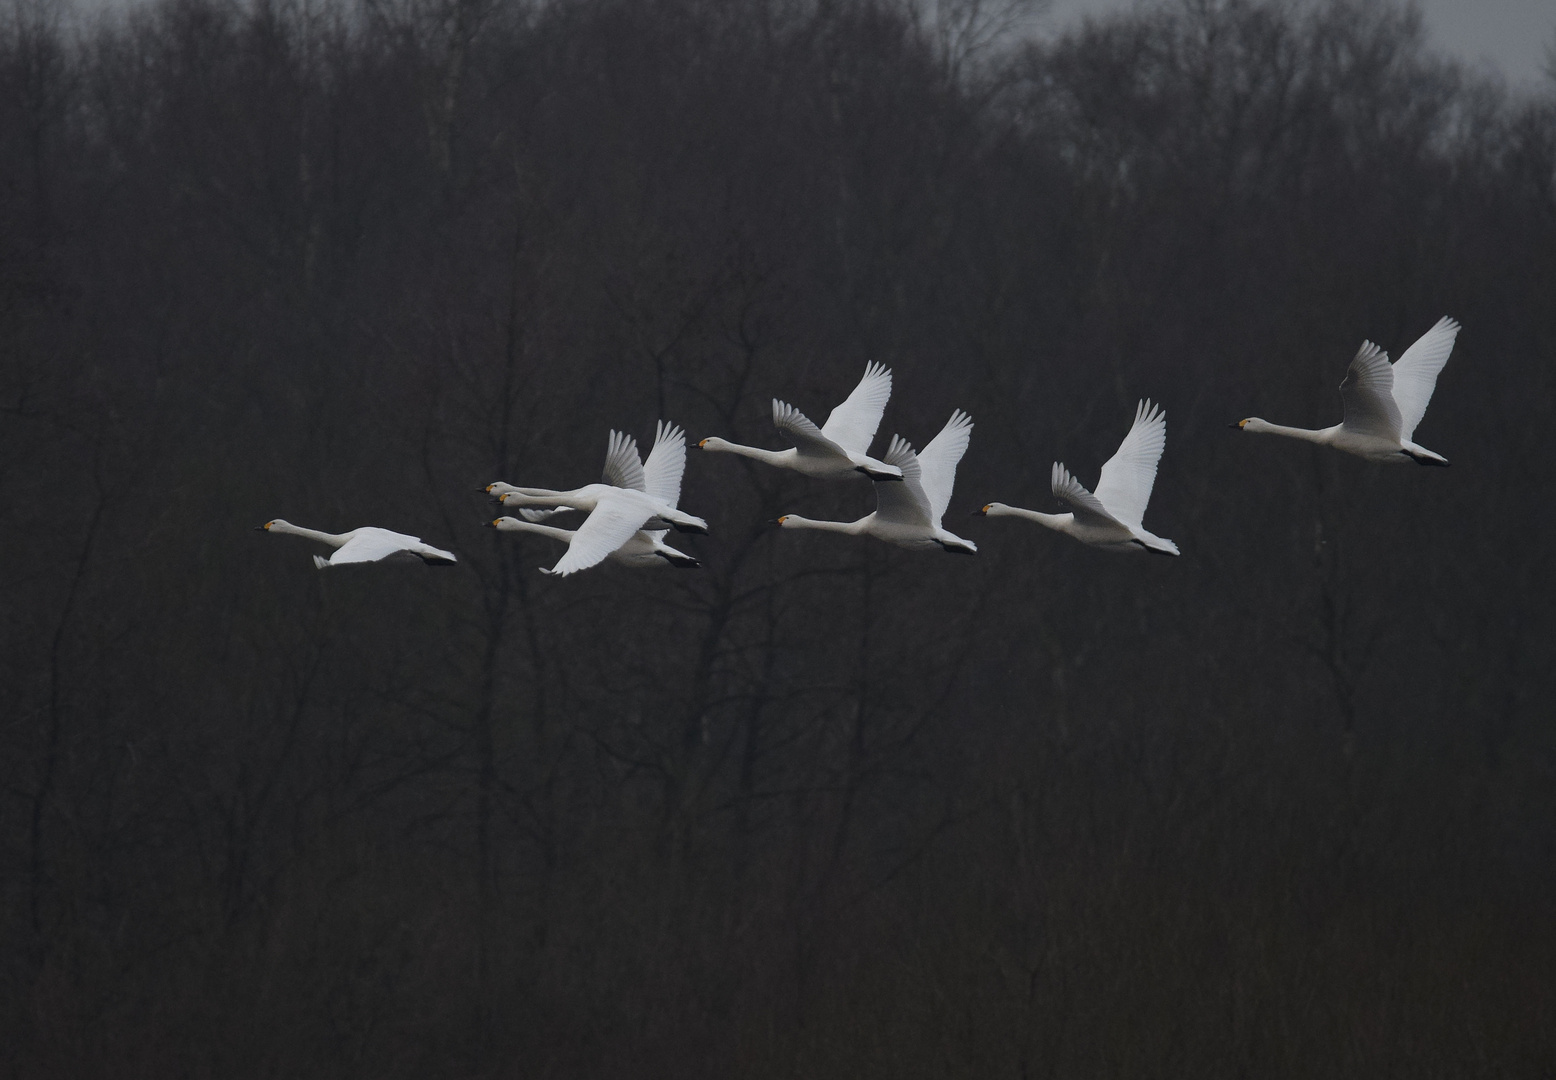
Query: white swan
(1383, 402)
(364, 545)
(643, 548)
(837, 448)
(1111, 517)
(655, 484)
(908, 513)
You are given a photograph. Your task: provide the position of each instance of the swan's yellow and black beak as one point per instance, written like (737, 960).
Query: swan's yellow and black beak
(493, 523)
(981, 511)
(1239, 425)
(262, 528)
(778, 522)
(702, 444)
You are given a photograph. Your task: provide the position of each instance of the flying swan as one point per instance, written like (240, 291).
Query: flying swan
(636, 496)
(837, 448)
(1111, 517)
(908, 513)
(1383, 402)
(627, 477)
(364, 545)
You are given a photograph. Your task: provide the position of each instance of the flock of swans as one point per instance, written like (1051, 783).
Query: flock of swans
(636, 504)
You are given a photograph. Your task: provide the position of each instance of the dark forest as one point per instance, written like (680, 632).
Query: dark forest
(1282, 807)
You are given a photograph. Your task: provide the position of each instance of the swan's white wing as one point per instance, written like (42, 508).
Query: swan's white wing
(902, 501)
(371, 544)
(536, 513)
(1086, 505)
(1415, 373)
(666, 464)
(853, 424)
(1368, 394)
(623, 467)
(613, 522)
(806, 435)
(939, 459)
(1126, 481)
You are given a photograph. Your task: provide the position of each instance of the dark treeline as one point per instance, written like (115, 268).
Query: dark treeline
(1281, 807)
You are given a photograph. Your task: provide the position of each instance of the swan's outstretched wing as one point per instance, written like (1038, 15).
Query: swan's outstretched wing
(613, 522)
(939, 459)
(1126, 481)
(1368, 394)
(853, 424)
(623, 467)
(666, 464)
(902, 501)
(1086, 505)
(539, 513)
(806, 435)
(1415, 373)
(372, 544)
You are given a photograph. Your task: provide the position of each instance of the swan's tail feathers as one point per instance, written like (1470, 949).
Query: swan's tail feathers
(442, 558)
(1422, 456)
(880, 472)
(959, 547)
(679, 560)
(1156, 545)
(320, 561)
(689, 524)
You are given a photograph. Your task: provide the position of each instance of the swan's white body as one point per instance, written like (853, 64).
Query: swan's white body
(838, 448)
(629, 482)
(644, 548)
(1111, 518)
(365, 545)
(908, 512)
(625, 512)
(1383, 402)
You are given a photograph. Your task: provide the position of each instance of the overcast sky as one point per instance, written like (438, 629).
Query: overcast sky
(1508, 34)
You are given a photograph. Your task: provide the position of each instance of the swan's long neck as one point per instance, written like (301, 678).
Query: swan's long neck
(541, 497)
(510, 524)
(1264, 427)
(332, 539)
(852, 528)
(1059, 522)
(771, 457)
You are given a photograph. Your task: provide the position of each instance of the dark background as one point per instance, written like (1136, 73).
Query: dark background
(1285, 806)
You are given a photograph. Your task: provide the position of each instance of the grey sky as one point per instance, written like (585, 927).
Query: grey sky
(1511, 35)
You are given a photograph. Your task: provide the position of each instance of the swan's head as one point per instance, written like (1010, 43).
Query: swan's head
(712, 442)
(266, 527)
(780, 522)
(994, 509)
(1251, 424)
